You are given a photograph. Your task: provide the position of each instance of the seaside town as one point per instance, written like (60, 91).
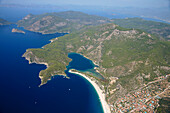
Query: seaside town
(145, 99)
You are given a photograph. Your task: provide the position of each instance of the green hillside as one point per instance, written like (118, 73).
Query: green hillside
(82, 18)
(65, 22)
(157, 28)
(133, 56)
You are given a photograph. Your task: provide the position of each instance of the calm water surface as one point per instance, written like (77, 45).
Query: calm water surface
(83, 64)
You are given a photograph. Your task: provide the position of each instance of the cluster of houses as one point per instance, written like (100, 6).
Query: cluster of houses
(144, 100)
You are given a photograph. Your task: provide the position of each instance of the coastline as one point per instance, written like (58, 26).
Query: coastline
(37, 61)
(105, 106)
(41, 32)
(14, 30)
(46, 64)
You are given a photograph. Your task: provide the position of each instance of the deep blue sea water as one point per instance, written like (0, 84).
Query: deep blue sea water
(19, 91)
(79, 62)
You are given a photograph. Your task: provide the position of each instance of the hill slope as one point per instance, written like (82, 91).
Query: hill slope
(4, 22)
(128, 59)
(158, 28)
(67, 22)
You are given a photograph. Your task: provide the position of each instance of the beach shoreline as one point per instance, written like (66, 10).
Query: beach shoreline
(105, 106)
(100, 92)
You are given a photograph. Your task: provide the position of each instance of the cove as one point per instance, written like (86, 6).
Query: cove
(83, 64)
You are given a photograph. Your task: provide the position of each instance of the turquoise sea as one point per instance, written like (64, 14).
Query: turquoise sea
(81, 63)
(19, 91)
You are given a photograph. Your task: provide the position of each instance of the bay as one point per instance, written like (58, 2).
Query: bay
(19, 91)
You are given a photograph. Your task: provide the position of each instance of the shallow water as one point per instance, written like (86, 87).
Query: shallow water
(81, 63)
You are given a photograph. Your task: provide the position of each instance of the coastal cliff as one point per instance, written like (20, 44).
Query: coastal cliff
(44, 75)
(32, 58)
(17, 31)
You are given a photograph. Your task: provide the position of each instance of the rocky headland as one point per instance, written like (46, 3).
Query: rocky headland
(17, 31)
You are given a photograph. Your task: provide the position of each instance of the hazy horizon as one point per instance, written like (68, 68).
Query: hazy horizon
(106, 3)
(157, 9)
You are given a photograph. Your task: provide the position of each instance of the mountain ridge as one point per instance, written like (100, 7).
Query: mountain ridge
(158, 28)
(62, 22)
(73, 21)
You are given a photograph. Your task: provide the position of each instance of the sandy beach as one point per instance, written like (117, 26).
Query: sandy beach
(105, 106)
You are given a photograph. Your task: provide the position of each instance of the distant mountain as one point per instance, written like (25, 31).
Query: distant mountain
(67, 22)
(158, 28)
(4, 22)
(72, 21)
